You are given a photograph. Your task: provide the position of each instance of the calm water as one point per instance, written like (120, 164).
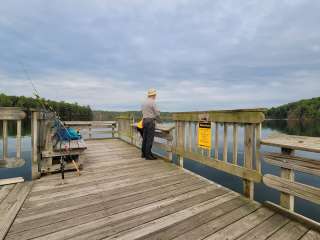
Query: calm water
(262, 193)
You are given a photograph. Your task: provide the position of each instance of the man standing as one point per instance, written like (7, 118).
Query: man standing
(150, 113)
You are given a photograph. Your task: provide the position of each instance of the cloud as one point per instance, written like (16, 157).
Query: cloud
(198, 54)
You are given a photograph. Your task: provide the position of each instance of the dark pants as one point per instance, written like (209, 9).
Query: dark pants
(148, 136)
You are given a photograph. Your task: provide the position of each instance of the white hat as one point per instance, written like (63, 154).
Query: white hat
(152, 92)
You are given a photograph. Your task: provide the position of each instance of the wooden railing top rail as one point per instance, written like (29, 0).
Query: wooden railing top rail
(223, 116)
(90, 123)
(12, 113)
(311, 144)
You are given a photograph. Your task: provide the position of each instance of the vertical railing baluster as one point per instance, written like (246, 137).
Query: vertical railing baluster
(5, 139)
(287, 200)
(34, 137)
(18, 140)
(216, 141)
(248, 159)
(225, 142)
(258, 147)
(235, 144)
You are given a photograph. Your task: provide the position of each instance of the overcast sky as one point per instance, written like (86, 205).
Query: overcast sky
(198, 54)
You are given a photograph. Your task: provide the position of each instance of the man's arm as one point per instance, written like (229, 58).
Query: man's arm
(156, 112)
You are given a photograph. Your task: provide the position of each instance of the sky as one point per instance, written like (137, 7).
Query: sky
(198, 54)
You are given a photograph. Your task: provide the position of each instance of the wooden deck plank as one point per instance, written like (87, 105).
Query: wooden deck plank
(291, 231)
(11, 205)
(107, 210)
(311, 235)
(242, 226)
(266, 229)
(121, 196)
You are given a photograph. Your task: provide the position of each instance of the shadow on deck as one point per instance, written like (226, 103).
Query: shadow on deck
(121, 196)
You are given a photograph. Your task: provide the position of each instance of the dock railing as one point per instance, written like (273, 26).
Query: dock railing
(181, 140)
(90, 129)
(289, 163)
(16, 115)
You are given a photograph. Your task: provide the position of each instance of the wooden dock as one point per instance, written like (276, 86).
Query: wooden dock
(122, 196)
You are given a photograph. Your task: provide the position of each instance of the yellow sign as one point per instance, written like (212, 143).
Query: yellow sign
(204, 135)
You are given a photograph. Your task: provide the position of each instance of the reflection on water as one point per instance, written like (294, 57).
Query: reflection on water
(295, 127)
(262, 193)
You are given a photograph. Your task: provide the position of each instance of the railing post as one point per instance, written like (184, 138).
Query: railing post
(235, 144)
(112, 127)
(216, 141)
(90, 132)
(18, 140)
(225, 142)
(287, 200)
(34, 139)
(5, 139)
(180, 141)
(248, 186)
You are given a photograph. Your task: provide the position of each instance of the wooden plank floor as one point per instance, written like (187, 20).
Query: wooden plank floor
(121, 196)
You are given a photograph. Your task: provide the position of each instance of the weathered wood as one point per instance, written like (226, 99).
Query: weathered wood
(4, 139)
(311, 144)
(121, 196)
(225, 142)
(34, 145)
(235, 170)
(311, 235)
(216, 141)
(300, 164)
(258, 146)
(245, 224)
(7, 181)
(287, 200)
(294, 216)
(266, 229)
(219, 223)
(248, 186)
(11, 205)
(235, 144)
(11, 113)
(291, 231)
(293, 188)
(232, 116)
(18, 140)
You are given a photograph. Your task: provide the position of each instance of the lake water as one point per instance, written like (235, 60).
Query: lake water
(262, 193)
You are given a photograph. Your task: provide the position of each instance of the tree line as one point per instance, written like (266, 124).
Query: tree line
(67, 111)
(302, 110)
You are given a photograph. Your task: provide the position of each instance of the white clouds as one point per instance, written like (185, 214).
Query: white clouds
(200, 54)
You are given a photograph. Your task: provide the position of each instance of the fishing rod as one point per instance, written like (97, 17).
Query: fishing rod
(58, 123)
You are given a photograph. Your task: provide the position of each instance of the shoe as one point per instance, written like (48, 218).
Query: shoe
(154, 157)
(149, 158)
(142, 155)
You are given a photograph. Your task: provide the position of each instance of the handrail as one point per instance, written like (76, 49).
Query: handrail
(91, 126)
(289, 163)
(183, 141)
(17, 115)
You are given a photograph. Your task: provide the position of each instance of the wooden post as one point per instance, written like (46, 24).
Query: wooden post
(34, 138)
(180, 141)
(235, 144)
(18, 140)
(248, 186)
(112, 127)
(225, 142)
(190, 137)
(5, 139)
(216, 142)
(287, 200)
(90, 132)
(258, 147)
